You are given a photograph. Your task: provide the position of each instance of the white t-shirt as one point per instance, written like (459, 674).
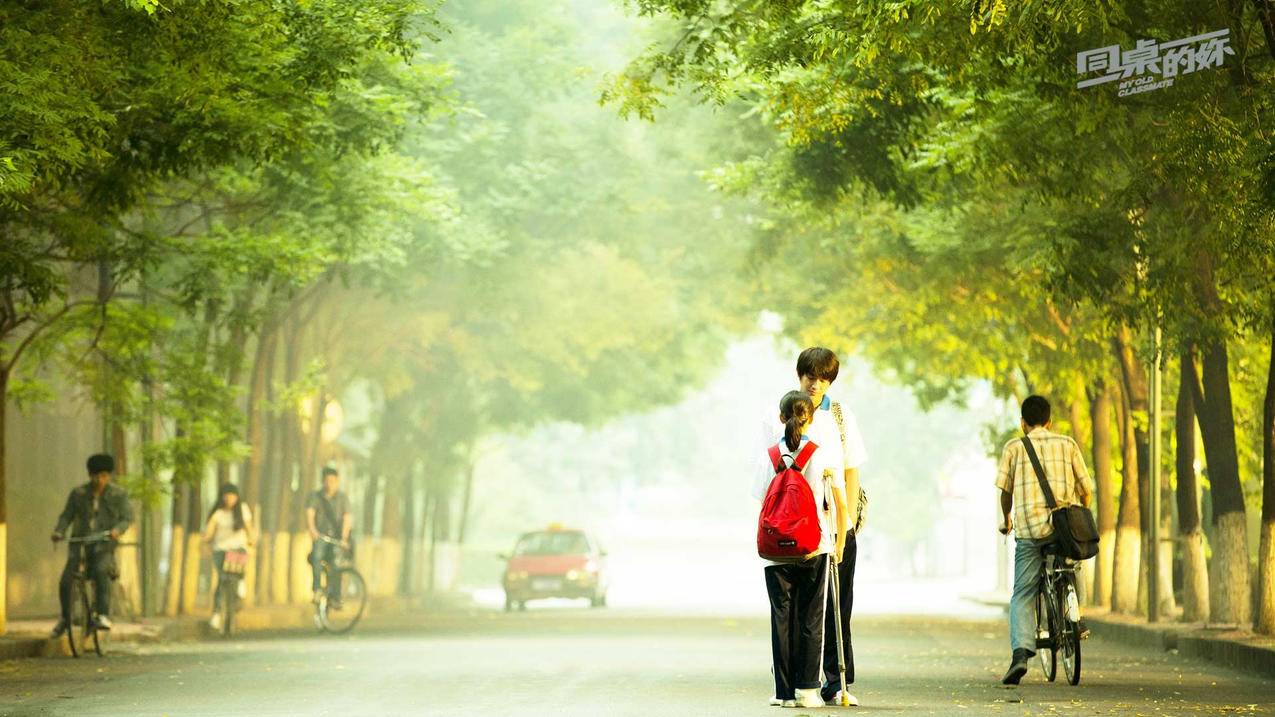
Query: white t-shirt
(824, 432)
(819, 472)
(225, 537)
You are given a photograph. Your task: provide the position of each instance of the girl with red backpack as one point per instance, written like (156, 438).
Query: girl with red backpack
(797, 584)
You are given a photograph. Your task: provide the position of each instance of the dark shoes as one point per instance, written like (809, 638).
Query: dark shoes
(58, 629)
(1017, 667)
(1083, 629)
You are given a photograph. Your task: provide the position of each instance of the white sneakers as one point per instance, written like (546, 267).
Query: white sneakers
(851, 700)
(215, 621)
(809, 699)
(805, 698)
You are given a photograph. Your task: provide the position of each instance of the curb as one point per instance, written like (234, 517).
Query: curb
(17, 648)
(1237, 654)
(1238, 651)
(278, 619)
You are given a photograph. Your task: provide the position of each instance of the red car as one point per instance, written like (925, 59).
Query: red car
(555, 563)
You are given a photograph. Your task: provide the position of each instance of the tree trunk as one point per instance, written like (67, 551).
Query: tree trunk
(4, 508)
(466, 498)
(313, 459)
(408, 512)
(370, 499)
(1266, 549)
(1133, 379)
(176, 550)
(1126, 563)
(1195, 573)
(286, 521)
(1229, 597)
(194, 550)
(262, 364)
(1100, 419)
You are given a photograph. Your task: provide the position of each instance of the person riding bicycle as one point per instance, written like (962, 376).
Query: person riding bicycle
(327, 514)
(95, 507)
(229, 528)
(1021, 493)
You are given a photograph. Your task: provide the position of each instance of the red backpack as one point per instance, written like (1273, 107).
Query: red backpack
(788, 528)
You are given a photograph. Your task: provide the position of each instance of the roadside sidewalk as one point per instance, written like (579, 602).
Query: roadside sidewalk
(29, 638)
(1237, 649)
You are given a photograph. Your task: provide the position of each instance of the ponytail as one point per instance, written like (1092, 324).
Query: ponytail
(792, 432)
(795, 409)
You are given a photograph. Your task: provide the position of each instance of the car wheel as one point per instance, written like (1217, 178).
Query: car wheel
(509, 603)
(599, 600)
(522, 606)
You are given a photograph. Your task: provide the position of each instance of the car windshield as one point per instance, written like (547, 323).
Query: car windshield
(552, 543)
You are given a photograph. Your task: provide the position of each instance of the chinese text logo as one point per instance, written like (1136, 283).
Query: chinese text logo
(1151, 65)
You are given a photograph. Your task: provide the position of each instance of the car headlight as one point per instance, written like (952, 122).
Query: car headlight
(517, 575)
(573, 575)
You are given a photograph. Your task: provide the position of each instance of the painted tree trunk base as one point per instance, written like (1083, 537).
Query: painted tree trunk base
(176, 559)
(279, 568)
(190, 574)
(381, 562)
(1168, 606)
(302, 574)
(1127, 561)
(1195, 578)
(128, 561)
(1266, 591)
(265, 552)
(1104, 563)
(1087, 574)
(1230, 594)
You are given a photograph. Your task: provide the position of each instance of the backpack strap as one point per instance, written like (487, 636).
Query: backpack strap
(841, 422)
(1040, 475)
(804, 456)
(776, 459)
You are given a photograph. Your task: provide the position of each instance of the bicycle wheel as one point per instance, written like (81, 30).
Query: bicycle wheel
(76, 630)
(1046, 636)
(339, 616)
(1069, 641)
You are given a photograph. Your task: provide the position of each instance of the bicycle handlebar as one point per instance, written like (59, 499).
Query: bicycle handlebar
(99, 537)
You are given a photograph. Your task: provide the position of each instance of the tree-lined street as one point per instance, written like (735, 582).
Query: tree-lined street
(570, 661)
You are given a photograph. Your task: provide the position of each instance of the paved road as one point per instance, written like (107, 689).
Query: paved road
(579, 662)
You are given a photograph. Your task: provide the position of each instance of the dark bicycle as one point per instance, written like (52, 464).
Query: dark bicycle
(1058, 618)
(342, 592)
(82, 629)
(233, 565)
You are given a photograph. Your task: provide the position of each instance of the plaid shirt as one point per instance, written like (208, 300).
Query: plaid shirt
(1064, 469)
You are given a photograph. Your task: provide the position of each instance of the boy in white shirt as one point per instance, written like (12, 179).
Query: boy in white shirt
(833, 428)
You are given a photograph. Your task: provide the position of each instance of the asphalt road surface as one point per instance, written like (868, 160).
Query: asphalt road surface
(565, 662)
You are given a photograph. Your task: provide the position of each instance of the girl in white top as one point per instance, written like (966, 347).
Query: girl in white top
(796, 590)
(229, 528)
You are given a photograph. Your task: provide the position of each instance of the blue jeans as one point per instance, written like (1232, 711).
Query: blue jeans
(1028, 566)
(321, 552)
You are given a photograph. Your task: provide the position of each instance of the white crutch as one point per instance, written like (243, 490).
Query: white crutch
(834, 575)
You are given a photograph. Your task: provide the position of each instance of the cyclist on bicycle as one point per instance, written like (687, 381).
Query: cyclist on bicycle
(327, 513)
(96, 506)
(229, 528)
(1021, 492)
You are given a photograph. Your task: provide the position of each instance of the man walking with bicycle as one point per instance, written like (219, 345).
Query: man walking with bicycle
(95, 507)
(1021, 493)
(327, 514)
